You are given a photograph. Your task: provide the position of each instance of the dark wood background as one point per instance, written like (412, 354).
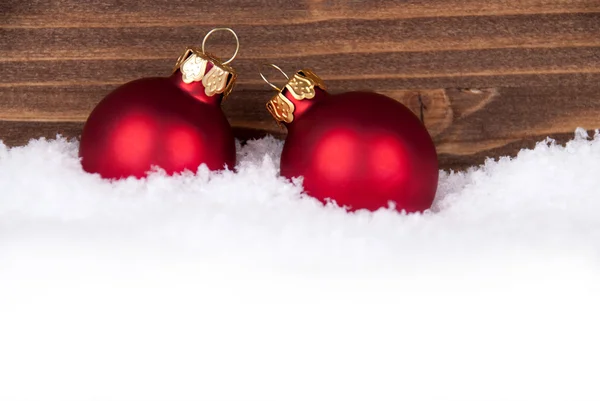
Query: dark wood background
(487, 77)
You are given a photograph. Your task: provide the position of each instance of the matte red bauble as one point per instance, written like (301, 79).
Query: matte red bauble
(174, 123)
(361, 149)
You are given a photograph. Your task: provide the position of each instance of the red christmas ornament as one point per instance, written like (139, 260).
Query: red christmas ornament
(175, 123)
(360, 149)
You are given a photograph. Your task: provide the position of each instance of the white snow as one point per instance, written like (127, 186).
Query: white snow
(235, 286)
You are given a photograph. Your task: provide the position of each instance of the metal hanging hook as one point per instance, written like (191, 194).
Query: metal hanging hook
(269, 82)
(237, 41)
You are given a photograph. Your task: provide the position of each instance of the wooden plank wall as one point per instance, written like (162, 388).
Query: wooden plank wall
(488, 77)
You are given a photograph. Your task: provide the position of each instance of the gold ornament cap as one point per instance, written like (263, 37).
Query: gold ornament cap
(193, 64)
(300, 86)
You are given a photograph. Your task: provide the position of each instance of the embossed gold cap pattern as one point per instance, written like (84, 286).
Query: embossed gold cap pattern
(193, 64)
(300, 86)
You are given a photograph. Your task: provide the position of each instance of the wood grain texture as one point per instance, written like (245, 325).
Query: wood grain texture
(177, 13)
(319, 38)
(487, 77)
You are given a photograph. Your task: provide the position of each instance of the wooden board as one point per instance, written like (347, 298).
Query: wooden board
(488, 78)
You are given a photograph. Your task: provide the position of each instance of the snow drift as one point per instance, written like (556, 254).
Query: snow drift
(236, 286)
